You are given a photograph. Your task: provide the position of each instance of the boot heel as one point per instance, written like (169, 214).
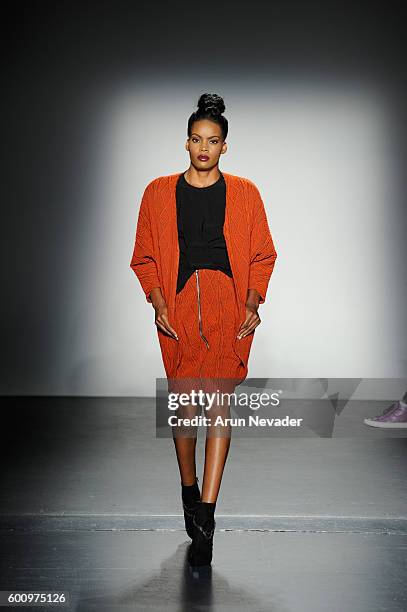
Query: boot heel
(201, 550)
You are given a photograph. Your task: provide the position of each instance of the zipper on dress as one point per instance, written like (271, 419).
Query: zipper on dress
(199, 310)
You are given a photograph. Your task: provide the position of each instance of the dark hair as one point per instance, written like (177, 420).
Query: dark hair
(210, 106)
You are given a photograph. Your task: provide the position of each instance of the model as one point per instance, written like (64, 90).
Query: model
(204, 255)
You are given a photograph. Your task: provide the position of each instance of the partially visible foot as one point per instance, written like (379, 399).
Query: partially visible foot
(390, 408)
(201, 550)
(393, 417)
(191, 496)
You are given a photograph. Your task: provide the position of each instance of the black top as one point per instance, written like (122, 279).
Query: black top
(200, 219)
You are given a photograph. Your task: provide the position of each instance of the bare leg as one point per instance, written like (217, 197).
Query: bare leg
(216, 452)
(217, 446)
(218, 437)
(185, 438)
(185, 450)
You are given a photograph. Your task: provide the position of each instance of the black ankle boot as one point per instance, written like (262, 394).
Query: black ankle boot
(201, 549)
(190, 499)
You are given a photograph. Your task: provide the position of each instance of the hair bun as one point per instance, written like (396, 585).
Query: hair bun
(211, 103)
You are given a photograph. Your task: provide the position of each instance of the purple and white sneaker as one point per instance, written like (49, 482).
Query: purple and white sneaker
(393, 417)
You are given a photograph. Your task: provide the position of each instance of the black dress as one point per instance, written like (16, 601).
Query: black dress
(200, 219)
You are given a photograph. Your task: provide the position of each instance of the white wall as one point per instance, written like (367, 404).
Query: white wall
(322, 158)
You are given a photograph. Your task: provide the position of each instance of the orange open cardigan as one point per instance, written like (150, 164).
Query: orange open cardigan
(156, 251)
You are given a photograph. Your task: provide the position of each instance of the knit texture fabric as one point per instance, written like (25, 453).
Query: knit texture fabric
(249, 244)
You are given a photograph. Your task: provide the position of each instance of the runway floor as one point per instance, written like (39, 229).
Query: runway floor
(90, 505)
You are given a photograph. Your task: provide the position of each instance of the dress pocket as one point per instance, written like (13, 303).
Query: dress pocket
(236, 350)
(178, 355)
(242, 348)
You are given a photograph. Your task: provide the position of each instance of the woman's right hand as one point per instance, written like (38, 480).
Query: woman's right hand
(161, 320)
(161, 313)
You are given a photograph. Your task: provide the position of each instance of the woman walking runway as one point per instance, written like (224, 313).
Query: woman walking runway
(204, 255)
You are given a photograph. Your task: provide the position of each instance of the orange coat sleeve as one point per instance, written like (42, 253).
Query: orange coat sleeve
(262, 251)
(143, 261)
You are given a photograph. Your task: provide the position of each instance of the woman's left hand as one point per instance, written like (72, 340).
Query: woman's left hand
(251, 322)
